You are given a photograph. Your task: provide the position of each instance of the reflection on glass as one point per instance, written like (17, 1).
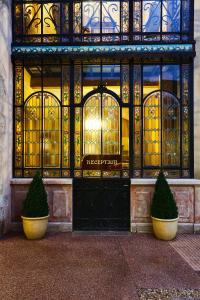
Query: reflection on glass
(151, 79)
(92, 125)
(171, 79)
(101, 131)
(151, 16)
(97, 17)
(171, 15)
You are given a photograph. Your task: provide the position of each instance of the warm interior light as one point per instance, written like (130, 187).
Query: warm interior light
(93, 124)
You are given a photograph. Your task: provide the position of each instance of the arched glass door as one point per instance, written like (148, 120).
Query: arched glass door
(101, 137)
(101, 125)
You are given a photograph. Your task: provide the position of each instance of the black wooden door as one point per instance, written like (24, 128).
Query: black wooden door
(101, 204)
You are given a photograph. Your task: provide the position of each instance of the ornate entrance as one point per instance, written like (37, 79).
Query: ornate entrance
(101, 203)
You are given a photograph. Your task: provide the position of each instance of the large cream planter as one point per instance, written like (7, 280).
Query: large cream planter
(35, 228)
(165, 229)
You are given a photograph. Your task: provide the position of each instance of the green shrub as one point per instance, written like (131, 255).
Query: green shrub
(163, 205)
(35, 204)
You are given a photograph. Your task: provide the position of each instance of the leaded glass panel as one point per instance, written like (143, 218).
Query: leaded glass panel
(125, 83)
(152, 131)
(92, 125)
(77, 137)
(110, 125)
(77, 83)
(155, 122)
(51, 131)
(170, 130)
(18, 85)
(33, 131)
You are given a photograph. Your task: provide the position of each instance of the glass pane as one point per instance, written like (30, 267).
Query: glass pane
(52, 79)
(111, 78)
(137, 137)
(125, 17)
(18, 19)
(77, 17)
(32, 80)
(77, 137)
(51, 131)
(110, 125)
(152, 131)
(151, 15)
(32, 18)
(18, 137)
(137, 84)
(66, 85)
(18, 85)
(171, 79)
(65, 18)
(125, 83)
(91, 78)
(185, 84)
(110, 16)
(137, 16)
(51, 18)
(66, 137)
(77, 84)
(186, 4)
(171, 130)
(151, 79)
(171, 15)
(92, 125)
(90, 17)
(185, 137)
(33, 131)
(125, 137)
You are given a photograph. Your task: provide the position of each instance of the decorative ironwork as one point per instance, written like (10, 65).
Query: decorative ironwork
(125, 83)
(130, 50)
(84, 21)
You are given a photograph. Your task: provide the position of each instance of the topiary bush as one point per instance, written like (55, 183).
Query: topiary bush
(35, 204)
(163, 205)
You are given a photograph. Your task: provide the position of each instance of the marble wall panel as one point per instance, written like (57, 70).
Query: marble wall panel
(59, 200)
(141, 197)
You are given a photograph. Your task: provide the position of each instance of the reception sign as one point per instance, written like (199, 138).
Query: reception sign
(102, 162)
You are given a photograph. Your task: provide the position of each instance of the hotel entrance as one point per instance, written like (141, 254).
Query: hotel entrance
(100, 124)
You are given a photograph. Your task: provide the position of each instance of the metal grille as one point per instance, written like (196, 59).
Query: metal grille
(93, 22)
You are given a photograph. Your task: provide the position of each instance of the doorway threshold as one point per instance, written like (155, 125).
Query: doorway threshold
(101, 233)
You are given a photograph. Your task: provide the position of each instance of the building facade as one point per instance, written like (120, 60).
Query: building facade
(99, 96)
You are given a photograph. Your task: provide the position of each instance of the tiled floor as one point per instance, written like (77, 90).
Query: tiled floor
(65, 266)
(188, 246)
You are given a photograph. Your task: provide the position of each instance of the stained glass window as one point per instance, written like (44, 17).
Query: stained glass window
(42, 120)
(162, 122)
(141, 112)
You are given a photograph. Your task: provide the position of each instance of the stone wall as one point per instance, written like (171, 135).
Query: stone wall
(6, 92)
(197, 91)
(59, 192)
(186, 193)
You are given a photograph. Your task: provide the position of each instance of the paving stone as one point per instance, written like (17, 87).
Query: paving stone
(64, 266)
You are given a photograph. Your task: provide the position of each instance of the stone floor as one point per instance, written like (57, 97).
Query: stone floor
(65, 266)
